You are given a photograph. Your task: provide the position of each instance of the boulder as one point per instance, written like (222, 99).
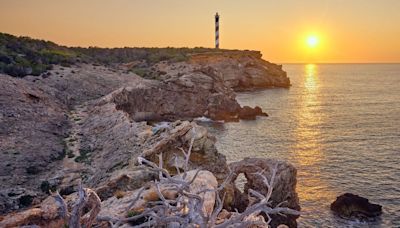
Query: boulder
(204, 180)
(16, 198)
(351, 206)
(50, 213)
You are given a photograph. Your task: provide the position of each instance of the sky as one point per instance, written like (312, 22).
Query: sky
(347, 31)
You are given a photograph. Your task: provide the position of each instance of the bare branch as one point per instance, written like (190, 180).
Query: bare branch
(63, 206)
(217, 210)
(94, 203)
(78, 208)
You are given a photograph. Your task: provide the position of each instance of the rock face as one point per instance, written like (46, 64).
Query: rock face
(169, 102)
(118, 143)
(239, 70)
(284, 188)
(244, 70)
(199, 92)
(32, 125)
(350, 206)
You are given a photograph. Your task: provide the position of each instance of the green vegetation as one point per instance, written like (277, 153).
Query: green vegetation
(61, 155)
(84, 155)
(45, 186)
(131, 214)
(21, 56)
(70, 154)
(25, 200)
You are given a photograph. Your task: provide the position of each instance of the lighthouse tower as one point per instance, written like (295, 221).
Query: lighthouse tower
(216, 31)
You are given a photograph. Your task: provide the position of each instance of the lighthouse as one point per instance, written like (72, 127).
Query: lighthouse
(216, 31)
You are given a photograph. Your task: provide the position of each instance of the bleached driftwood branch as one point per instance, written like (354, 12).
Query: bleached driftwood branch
(186, 208)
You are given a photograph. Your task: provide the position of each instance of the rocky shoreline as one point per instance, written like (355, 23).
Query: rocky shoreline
(91, 124)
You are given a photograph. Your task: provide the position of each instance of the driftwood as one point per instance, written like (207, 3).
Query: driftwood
(185, 208)
(87, 199)
(172, 202)
(53, 212)
(168, 141)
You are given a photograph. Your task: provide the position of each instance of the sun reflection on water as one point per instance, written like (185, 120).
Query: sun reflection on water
(311, 80)
(308, 150)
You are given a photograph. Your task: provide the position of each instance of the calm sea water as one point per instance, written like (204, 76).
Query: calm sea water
(339, 125)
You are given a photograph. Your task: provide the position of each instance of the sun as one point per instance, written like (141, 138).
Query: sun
(312, 41)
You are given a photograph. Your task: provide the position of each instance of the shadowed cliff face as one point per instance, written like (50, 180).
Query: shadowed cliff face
(169, 102)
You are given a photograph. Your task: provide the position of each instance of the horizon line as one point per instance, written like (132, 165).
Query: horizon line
(117, 47)
(327, 63)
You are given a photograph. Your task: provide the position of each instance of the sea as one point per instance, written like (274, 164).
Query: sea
(339, 125)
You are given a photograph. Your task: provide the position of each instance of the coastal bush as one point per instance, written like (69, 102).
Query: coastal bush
(45, 186)
(25, 200)
(70, 154)
(20, 56)
(83, 156)
(32, 170)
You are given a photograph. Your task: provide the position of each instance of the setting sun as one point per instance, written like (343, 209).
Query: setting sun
(312, 41)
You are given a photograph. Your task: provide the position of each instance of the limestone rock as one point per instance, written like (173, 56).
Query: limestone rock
(171, 101)
(204, 154)
(205, 180)
(248, 113)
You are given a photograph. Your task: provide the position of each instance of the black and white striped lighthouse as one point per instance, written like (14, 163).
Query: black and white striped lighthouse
(216, 30)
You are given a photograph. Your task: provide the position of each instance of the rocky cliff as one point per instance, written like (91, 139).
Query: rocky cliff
(239, 70)
(88, 123)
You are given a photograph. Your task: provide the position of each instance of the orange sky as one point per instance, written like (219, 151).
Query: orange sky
(348, 30)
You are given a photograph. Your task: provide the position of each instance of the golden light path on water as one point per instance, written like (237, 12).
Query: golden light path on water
(335, 127)
(308, 149)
